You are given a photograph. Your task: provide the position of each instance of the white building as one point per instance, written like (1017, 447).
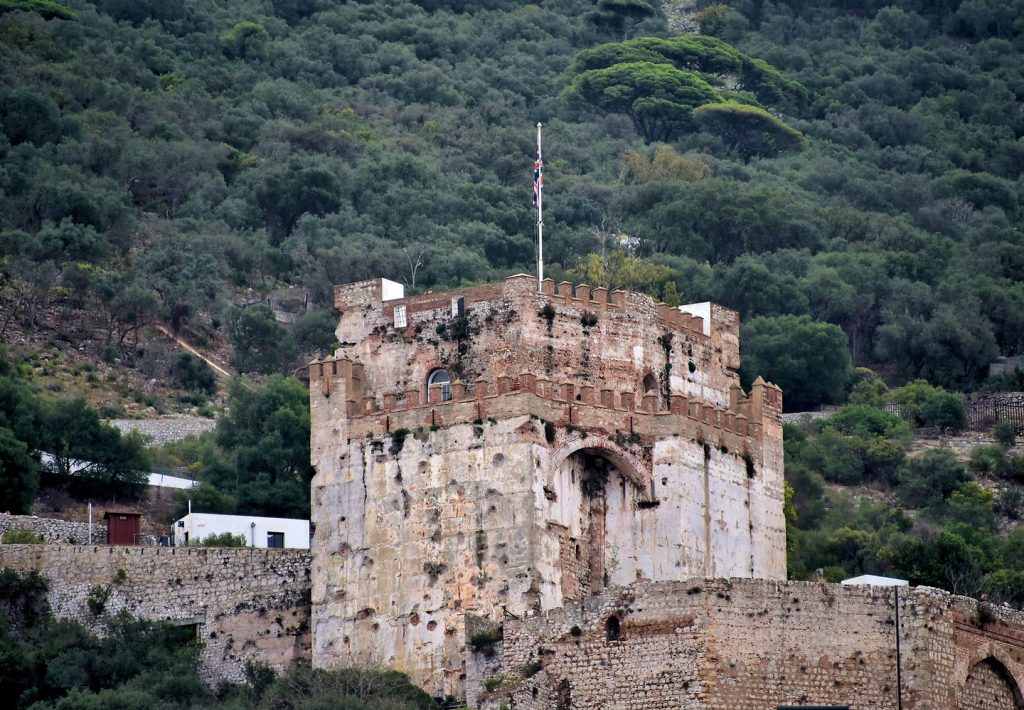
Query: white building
(257, 531)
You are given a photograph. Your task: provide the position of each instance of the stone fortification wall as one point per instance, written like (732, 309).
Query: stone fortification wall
(55, 531)
(585, 439)
(245, 603)
(755, 644)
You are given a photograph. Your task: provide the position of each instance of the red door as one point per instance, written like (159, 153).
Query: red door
(122, 529)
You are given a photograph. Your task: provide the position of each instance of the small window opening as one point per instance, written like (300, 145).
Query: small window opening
(275, 539)
(650, 384)
(440, 377)
(577, 552)
(612, 629)
(400, 317)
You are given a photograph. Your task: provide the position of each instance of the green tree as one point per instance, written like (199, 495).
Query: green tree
(191, 373)
(809, 361)
(261, 462)
(245, 40)
(658, 98)
(748, 130)
(619, 16)
(260, 343)
(19, 474)
(930, 478)
(89, 454)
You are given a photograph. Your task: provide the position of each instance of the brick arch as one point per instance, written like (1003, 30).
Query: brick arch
(631, 466)
(1001, 663)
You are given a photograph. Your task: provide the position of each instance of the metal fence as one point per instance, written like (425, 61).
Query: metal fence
(982, 414)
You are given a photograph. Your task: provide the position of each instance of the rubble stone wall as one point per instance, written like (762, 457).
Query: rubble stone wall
(55, 531)
(246, 604)
(745, 644)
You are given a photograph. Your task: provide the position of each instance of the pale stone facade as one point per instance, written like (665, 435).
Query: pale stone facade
(576, 440)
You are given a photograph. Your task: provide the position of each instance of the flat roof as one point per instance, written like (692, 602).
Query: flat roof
(876, 581)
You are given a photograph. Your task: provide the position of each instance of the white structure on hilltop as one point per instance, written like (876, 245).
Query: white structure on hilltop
(257, 531)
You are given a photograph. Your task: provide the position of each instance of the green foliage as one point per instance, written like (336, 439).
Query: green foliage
(221, 540)
(47, 8)
(191, 373)
(1005, 435)
(314, 331)
(930, 478)
(245, 40)
(867, 388)
(749, 130)
(257, 460)
(307, 143)
(926, 405)
(20, 536)
(989, 460)
(865, 421)
(260, 343)
(137, 664)
(19, 475)
(303, 688)
(809, 361)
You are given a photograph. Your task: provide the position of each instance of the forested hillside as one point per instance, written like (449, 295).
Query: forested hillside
(160, 157)
(845, 174)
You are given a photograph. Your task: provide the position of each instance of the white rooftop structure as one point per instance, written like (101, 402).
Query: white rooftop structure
(873, 580)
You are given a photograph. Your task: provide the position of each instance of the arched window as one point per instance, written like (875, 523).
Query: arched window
(650, 384)
(612, 630)
(440, 377)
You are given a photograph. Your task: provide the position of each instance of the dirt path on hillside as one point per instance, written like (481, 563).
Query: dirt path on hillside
(219, 369)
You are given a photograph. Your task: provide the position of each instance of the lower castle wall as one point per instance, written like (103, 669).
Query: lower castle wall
(756, 644)
(246, 604)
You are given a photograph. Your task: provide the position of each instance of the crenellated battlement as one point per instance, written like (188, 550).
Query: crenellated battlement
(562, 403)
(623, 303)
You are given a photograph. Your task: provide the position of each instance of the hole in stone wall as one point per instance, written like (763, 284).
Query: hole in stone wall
(612, 629)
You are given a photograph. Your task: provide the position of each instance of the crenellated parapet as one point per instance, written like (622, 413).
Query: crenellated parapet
(563, 403)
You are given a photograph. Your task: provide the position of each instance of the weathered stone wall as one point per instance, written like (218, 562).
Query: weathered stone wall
(752, 644)
(245, 603)
(55, 531)
(590, 439)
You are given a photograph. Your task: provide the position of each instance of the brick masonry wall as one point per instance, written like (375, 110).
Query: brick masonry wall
(756, 644)
(55, 531)
(245, 603)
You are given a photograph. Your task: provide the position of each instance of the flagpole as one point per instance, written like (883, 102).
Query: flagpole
(540, 217)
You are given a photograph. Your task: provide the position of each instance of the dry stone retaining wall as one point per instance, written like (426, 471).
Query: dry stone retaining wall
(246, 604)
(55, 531)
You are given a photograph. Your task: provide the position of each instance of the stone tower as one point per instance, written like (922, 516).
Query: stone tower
(494, 451)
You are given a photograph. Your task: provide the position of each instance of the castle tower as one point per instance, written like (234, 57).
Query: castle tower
(494, 450)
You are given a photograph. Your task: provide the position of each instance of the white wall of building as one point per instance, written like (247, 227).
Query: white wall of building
(198, 526)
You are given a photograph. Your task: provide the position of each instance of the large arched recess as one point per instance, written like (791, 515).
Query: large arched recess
(593, 491)
(989, 685)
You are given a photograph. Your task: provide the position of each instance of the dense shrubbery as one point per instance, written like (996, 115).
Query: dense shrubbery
(946, 538)
(142, 664)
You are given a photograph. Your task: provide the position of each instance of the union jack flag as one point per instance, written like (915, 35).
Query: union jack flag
(538, 177)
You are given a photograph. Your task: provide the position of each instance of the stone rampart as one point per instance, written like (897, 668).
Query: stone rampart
(745, 644)
(54, 531)
(245, 604)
